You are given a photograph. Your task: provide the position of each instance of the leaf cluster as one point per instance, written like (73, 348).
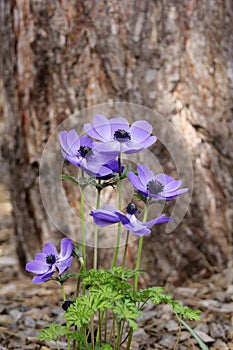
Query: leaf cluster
(101, 183)
(105, 291)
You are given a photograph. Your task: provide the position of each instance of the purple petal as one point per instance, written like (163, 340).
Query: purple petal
(137, 227)
(100, 129)
(135, 181)
(62, 139)
(64, 265)
(149, 141)
(94, 167)
(66, 248)
(70, 142)
(86, 141)
(161, 219)
(176, 193)
(123, 218)
(40, 257)
(164, 179)
(111, 148)
(118, 124)
(72, 159)
(49, 248)
(104, 217)
(145, 174)
(42, 278)
(131, 147)
(183, 190)
(172, 186)
(36, 266)
(140, 130)
(72, 139)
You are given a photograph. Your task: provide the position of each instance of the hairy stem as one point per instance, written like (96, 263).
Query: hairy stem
(126, 248)
(83, 227)
(96, 233)
(119, 223)
(129, 339)
(140, 244)
(63, 291)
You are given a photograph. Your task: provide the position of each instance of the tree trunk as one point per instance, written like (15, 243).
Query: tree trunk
(58, 57)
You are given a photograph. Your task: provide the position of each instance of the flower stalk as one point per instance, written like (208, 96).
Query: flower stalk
(139, 254)
(82, 217)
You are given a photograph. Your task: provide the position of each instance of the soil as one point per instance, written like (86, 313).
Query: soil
(26, 308)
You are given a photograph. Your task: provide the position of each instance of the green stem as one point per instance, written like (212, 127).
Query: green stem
(105, 325)
(92, 333)
(138, 261)
(63, 291)
(96, 233)
(122, 330)
(100, 320)
(119, 207)
(126, 248)
(112, 333)
(79, 279)
(118, 341)
(129, 339)
(83, 227)
(194, 334)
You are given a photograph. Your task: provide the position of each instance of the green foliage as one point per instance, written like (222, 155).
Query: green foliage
(54, 331)
(109, 290)
(112, 182)
(116, 278)
(127, 311)
(62, 278)
(185, 312)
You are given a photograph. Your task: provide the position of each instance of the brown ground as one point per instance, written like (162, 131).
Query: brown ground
(26, 308)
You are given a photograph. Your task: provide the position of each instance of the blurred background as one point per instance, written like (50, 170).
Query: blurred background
(174, 57)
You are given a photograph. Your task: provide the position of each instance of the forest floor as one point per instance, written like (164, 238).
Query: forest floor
(26, 308)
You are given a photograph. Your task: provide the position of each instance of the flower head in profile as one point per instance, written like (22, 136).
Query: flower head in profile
(49, 261)
(81, 152)
(109, 215)
(118, 136)
(159, 187)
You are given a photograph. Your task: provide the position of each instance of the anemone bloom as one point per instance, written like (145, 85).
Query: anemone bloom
(118, 137)
(80, 151)
(159, 187)
(109, 215)
(47, 262)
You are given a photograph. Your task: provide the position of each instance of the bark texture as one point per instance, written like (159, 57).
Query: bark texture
(58, 57)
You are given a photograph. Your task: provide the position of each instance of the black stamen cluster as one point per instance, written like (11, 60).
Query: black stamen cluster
(50, 259)
(154, 187)
(84, 150)
(131, 208)
(121, 135)
(66, 304)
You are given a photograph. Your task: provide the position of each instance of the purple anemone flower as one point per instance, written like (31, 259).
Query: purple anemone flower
(109, 215)
(47, 262)
(114, 166)
(159, 187)
(81, 152)
(118, 136)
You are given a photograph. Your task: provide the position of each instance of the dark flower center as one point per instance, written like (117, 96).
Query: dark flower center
(51, 259)
(154, 187)
(84, 150)
(67, 304)
(131, 208)
(121, 135)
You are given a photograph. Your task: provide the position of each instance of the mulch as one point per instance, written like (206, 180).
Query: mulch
(26, 308)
